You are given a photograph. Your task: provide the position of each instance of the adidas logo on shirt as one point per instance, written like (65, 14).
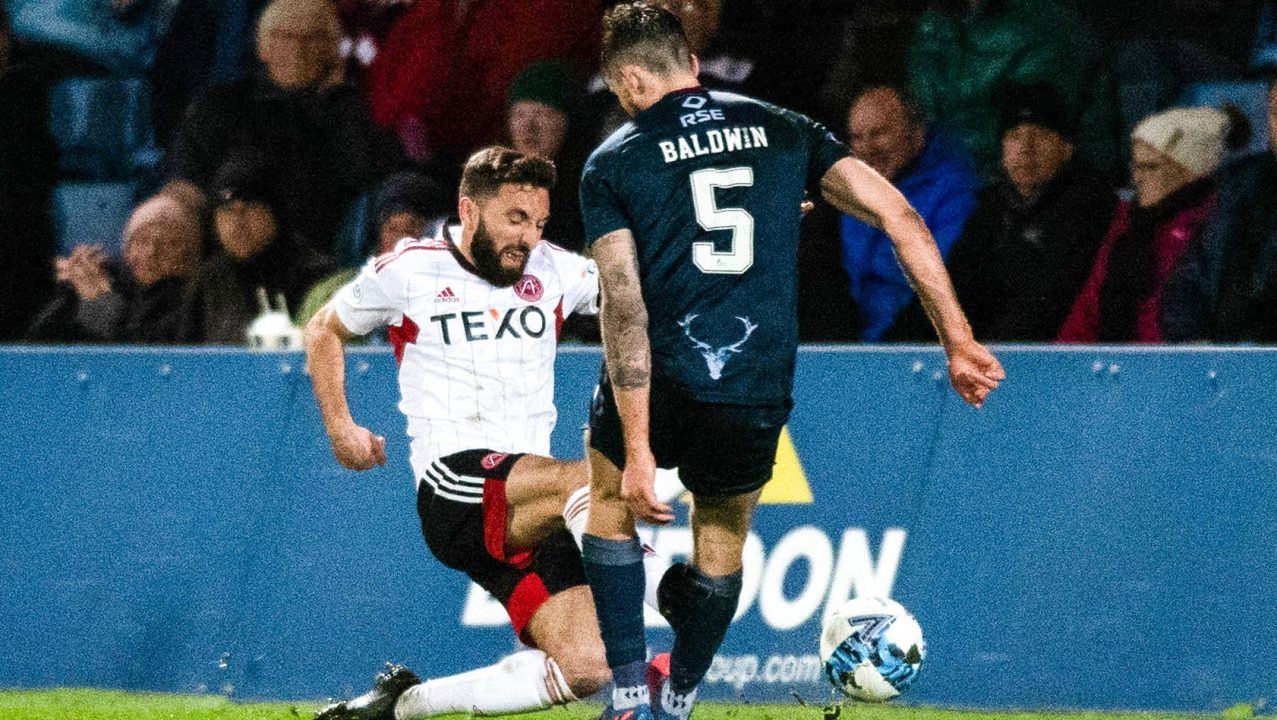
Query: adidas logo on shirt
(447, 295)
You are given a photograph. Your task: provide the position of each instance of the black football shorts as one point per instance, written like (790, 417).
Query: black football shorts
(462, 505)
(719, 449)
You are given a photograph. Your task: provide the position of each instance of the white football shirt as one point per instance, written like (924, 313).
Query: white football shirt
(476, 361)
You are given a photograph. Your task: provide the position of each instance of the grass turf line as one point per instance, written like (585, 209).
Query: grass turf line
(83, 704)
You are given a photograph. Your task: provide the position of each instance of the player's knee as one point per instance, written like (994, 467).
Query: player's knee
(575, 475)
(601, 494)
(573, 480)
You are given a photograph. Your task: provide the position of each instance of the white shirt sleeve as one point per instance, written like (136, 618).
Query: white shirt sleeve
(375, 298)
(582, 293)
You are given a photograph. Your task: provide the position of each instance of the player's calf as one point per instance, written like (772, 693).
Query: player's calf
(585, 670)
(700, 599)
(566, 629)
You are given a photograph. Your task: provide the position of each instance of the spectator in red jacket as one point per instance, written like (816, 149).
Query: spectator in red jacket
(1174, 156)
(441, 77)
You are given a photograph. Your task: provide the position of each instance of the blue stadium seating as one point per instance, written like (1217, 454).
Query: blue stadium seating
(103, 127)
(92, 213)
(1250, 97)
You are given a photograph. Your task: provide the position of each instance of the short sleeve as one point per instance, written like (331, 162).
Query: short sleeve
(582, 295)
(823, 149)
(373, 299)
(601, 210)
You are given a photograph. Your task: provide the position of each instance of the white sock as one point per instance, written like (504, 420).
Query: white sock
(523, 682)
(576, 513)
(680, 706)
(627, 698)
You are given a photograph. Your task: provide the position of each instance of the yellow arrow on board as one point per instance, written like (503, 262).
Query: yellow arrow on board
(788, 485)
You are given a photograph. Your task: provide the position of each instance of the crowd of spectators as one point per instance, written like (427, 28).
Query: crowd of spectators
(1077, 190)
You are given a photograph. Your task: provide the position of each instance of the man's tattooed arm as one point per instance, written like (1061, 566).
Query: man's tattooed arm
(622, 314)
(623, 323)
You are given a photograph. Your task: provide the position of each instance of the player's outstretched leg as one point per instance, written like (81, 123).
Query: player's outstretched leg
(570, 665)
(613, 560)
(523, 682)
(700, 598)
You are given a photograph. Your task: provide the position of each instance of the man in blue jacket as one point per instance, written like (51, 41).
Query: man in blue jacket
(888, 133)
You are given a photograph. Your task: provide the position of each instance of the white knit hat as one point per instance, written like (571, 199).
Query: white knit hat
(1192, 137)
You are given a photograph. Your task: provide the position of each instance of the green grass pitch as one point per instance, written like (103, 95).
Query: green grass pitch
(77, 704)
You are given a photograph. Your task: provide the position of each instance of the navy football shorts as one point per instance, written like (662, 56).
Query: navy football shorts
(463, 510)
(719, 449)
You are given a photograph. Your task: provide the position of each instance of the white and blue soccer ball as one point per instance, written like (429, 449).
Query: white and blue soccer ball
(872, 648)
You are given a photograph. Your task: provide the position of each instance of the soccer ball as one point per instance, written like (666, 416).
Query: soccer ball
(872, 648)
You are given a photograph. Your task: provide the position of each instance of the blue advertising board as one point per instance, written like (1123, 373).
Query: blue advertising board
(1100, 535)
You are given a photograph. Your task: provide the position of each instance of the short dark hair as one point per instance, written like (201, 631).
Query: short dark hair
(490, 168)
(913, 107)
(639, 33)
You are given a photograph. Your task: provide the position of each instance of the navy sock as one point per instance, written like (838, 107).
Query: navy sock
(698, 634)
(615, 571)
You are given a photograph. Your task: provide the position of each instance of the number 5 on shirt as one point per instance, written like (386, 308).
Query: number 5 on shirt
(711, 217)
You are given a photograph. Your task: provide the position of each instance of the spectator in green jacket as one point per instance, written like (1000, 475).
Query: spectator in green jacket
(958, 60)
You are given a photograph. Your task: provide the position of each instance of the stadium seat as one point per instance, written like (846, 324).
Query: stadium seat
(92, 213)
(1250, 97)
(103, 127)
(1264, 56)
(118, 43)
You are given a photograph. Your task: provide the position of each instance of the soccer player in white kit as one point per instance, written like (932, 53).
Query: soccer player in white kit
(474, 315)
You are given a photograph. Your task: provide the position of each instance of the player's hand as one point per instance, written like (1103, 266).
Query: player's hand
(356, 448)
(638, 490)
(973, 371)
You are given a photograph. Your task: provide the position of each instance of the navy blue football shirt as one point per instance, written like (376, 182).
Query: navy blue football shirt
(710, 184)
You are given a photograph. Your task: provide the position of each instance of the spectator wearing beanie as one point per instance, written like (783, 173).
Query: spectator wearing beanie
(962, 54)
(540, 116)
(1030, 243)
(1174, 155)
(255, 251)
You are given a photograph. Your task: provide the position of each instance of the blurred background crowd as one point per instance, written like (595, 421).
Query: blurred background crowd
(1092, 170)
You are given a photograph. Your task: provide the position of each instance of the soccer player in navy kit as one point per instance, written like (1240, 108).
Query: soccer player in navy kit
(692, 210)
